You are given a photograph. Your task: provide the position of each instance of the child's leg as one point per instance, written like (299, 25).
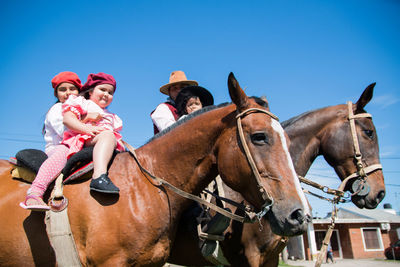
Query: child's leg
(104, 145)
(49, 170)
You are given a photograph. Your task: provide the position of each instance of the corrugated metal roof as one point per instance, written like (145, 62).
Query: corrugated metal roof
(356, 215)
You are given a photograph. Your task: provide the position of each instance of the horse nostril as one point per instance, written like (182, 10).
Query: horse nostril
(298, 215)
(381, 195)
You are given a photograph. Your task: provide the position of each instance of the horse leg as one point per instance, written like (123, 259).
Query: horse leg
(252, 254)
(273, 261)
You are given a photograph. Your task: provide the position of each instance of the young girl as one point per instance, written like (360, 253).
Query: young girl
(103, 135)
(65, 84)
(192, 98)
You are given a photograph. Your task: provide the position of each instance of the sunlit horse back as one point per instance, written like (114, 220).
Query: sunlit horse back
(137, 227)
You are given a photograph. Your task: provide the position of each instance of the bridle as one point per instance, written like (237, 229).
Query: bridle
(269, 201)
(360, 186)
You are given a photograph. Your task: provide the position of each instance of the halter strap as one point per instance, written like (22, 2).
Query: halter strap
(269, 201)
(361, 170)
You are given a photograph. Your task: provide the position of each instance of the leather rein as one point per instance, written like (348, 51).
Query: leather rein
(250, 215)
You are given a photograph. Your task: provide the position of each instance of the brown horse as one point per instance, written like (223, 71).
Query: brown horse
(138, 227)
(324, 132)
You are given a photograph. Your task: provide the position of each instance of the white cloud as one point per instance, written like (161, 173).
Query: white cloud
(385, 101)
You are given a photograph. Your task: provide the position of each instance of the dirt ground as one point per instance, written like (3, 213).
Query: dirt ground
(349, 263)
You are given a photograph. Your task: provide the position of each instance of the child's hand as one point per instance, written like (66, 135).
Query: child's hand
(93, 130)
(92, 117)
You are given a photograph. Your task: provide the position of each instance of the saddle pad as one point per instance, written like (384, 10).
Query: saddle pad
(85, 172)
(31, 159)
(80, 165)
(76, 161)
(23, 173)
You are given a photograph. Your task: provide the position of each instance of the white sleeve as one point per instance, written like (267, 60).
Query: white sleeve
(162, 117)
(53, 126)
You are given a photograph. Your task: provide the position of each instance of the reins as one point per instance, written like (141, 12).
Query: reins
(161, 182)
(361, 174)
(250, 216)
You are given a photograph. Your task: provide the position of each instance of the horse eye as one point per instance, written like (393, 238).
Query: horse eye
(259, 138)
(369, 133)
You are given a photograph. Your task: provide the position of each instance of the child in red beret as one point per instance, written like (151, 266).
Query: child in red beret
(65, 84)
(101, 132)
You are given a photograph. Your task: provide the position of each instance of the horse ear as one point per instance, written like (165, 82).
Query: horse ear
(365, 97)
(239, 98)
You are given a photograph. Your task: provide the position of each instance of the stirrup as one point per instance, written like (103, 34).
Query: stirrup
(40, 207)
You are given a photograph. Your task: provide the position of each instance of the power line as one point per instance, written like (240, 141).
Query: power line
(21, 140)
(21, 134)
(321, 175)
(393, 184)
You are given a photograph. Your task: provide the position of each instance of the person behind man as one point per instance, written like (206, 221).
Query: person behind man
(191, 99)
(166, 113)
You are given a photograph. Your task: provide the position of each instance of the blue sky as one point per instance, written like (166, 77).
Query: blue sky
(301, 55)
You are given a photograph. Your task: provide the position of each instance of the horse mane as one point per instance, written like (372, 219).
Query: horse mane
(296, 118)
(186, 118)
(258, 100)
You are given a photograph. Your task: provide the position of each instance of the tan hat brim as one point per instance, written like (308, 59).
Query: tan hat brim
(164, 88)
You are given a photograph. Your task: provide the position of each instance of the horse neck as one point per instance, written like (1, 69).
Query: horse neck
(306, 132)
(185, 156)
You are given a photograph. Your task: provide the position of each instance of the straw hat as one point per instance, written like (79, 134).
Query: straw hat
(176, 77)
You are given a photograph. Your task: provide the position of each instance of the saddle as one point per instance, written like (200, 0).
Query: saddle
(28, 161)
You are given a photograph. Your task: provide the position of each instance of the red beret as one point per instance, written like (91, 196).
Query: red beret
(97, 79)
(66, 77)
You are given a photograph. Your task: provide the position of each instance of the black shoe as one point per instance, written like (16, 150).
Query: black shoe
(103, 184)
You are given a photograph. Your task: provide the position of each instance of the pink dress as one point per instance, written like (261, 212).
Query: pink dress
(80, 107)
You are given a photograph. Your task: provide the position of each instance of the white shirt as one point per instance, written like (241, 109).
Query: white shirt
(54, 127)
(162, 117)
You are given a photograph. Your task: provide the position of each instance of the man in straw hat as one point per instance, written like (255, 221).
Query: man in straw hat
(166, 114)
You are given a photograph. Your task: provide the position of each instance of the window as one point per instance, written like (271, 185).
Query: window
(372, 238)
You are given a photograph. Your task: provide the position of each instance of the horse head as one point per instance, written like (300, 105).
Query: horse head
(266, 178)
(359, 167)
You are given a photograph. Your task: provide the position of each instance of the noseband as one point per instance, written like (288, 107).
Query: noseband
(269, 201)
(360, 186)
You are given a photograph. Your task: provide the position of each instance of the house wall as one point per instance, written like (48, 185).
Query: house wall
(345, 241)
(351, 239)
(357, 244)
